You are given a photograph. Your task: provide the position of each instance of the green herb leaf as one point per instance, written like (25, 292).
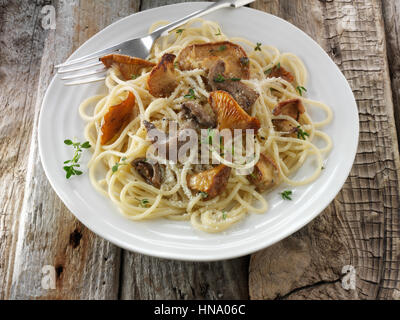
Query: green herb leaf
(219, 78)
(179, 31)
(70, 170)
(116, 166)
(68, 142)
(301, 134)
(143, 202)
(190, 95)
(268, 71)
(300, 89)
(219, 32)
(222, 48)
(134, 76)
(224, 215)
(258, 46)
(235, 79)
(286, 195)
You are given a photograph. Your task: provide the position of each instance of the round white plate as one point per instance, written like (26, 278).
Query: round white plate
(59, 120)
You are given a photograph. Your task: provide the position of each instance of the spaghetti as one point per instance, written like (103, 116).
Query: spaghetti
(174, 199)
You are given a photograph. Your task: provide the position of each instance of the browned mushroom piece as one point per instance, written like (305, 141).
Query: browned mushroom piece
(204, 55)
(266, 174)
(280, 72)
(229, 114)
(162, 80)
(130, 67)
(202, 115)
(218, 80)
(150, 171)
(117, 118)
(211, 182)
(292, 108)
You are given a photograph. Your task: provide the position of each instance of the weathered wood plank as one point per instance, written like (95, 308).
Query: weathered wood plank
(36, 228)
(151, 278)
(361, 227)
(391, 11)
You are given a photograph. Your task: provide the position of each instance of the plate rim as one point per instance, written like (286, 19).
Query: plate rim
(222, 255)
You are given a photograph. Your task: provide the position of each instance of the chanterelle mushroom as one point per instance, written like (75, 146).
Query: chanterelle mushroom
(130, 67)
(204, 55)
(292, 108)
(265, 174)
(218, 80)
(117, 118)
(211, 182)
(151, 172)
(280, 72)
(229, 114)
(162, 80)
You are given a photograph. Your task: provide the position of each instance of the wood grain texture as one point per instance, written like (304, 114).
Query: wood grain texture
(36, 228)
(361, 227)
(391, 10)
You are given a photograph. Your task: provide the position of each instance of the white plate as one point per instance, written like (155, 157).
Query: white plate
(59, 119)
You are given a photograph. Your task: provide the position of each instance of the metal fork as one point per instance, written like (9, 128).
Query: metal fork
(82, 72)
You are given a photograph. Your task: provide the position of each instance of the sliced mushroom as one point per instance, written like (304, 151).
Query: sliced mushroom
(280, 72)
(117, 118)
(162, 80)
(218, 80)
(204, 55)
(150, 171)
(211, 182)
(203, 115)
(229, 114)
(266, 174)
(292, 108)
(169, 143)
(130, 67)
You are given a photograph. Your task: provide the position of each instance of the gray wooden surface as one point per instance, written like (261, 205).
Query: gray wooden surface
(360, 228)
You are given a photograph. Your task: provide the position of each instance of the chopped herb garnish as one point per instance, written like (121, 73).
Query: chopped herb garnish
(134, 76)
(322, 168)
(179, 31)
(73, 163)
(219, 78)
(190, 95)
(118, 164)
(286, 195)
(222, 48)
(224, 215)
(143, 202)
(203, 194)
(258, 47)
(300, 89)
(301, 134)
(278, 66)
(253, 175)
(235, 79)
(219, 32)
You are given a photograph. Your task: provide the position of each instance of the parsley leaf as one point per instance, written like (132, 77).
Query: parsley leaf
(286, 195)
(179, 31)
(203, 194)
(258, 46)
(224, 215)
(222, 48)
(235, 79)
(219, 32)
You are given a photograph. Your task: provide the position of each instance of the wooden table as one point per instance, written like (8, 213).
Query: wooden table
(359, 229)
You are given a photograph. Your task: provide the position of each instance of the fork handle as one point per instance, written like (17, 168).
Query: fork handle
(215, 6)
